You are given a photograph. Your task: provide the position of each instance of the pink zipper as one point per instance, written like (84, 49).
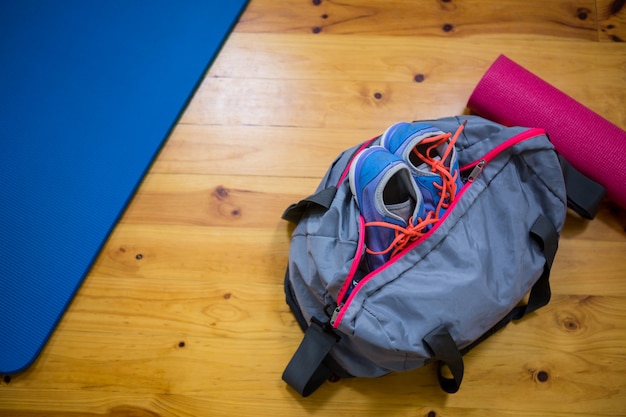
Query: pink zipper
(355, 264)
(528, 134)
(476, 167)
(345, 171)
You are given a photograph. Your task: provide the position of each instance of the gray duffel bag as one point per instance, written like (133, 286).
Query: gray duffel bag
(448, 290)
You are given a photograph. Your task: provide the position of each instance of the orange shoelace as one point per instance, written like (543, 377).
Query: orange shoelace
(412, 232)
(404, 235)
(448, 184)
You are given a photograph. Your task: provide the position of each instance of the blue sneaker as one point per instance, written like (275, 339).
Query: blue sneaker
(432, 159)
(389, 201)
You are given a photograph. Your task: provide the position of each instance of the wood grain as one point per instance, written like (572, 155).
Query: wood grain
(183, 313)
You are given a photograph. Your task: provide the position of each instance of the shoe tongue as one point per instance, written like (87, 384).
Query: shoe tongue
(434, 154)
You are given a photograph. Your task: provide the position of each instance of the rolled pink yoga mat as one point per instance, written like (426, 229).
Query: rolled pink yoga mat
(513, 96)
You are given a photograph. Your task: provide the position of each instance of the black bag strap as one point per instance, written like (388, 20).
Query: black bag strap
(445, 352)
(546, 235)
(584, 195)
(322, 199)
(307, 371)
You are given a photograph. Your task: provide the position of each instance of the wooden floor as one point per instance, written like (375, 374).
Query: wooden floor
(184, 315)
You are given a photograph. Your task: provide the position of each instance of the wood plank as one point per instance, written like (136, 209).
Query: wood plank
(180, 307)
(401, 58)
(313, 103)
(166, 252)
(430, 19)
(342, 104)
(60, 403)
(233, 201)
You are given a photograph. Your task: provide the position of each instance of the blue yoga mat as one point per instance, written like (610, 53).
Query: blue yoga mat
(89, 92)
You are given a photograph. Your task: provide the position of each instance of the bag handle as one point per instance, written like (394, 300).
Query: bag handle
(322, 199)
(306, 370)
(444, 350)
(546, 235)
(584, 195)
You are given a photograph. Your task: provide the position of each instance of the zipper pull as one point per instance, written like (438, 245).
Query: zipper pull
(333, 316)
(476, 171)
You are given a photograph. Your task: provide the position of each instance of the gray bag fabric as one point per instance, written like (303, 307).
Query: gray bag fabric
(452, 288)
